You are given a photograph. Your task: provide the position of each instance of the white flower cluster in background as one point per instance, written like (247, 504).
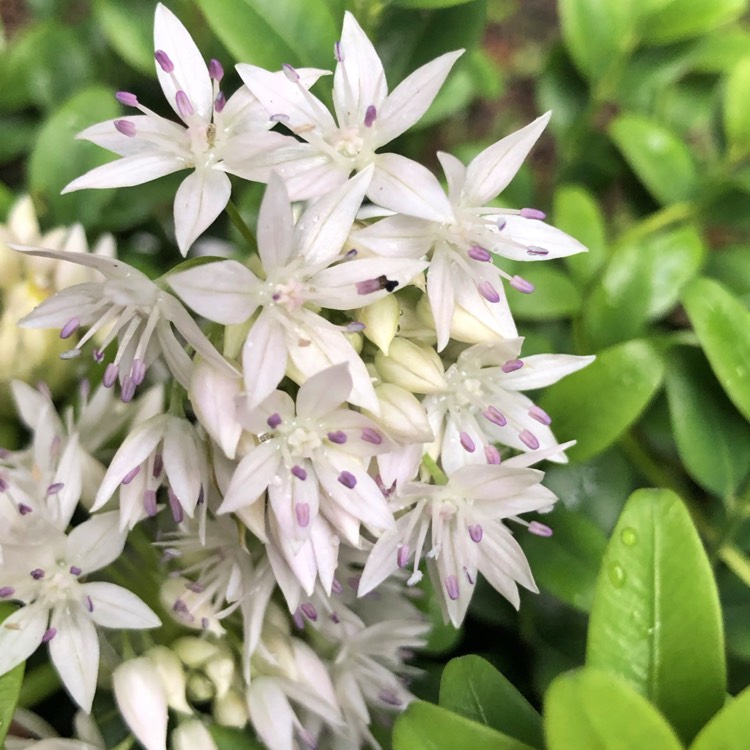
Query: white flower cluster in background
(343, 404)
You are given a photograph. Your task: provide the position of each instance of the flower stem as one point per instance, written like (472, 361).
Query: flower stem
(437, 474)
(39, 684)
(241, 226)
(657, 221)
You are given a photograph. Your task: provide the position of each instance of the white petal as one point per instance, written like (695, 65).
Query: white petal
(264, 358)
(382, 560)
(109, 267)
(75, 653)
(127, 171)
(150, 129)
(142, 701)
(455, 174)
(96, 542)
(441, 295)
(504, 552)
(201, 197)
(412, 97)
(397, 236)
(275, 225)
(183, 462)
(316, 181)
(270, 713)
(324, 391)
(490, 172)
(221, 291)
(541, 370)
(493, 482)
(533, 232)
(116, 607)
(251, 477)
(190, 69)
(407, 187)
(20, 635)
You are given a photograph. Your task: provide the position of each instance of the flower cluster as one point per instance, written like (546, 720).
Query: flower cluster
(345, 403)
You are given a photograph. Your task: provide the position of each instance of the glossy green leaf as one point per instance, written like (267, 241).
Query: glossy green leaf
(597, 404)
(683, 19)
(566, 564)
(729, 729)
(556, 296)
(426, 727)
(713, 440)
(729, 266)
(577, 213)
(10, 686)
(230, 738)
(737, 106)
(656, 619)
(428, 4)
(129, 29)
(597, 711)
(597, 33)
(58, 158)
(472, 687)
(660, 159)
(270, 33)
(721, 51)
(722, 325)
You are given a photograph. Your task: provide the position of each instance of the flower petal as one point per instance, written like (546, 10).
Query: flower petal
(264, 358)
(251, 477)
(541, 370)
(116, 607)
(324, 391)
(149, 131)
(127, 171)
(201, 197)
(20, 635)
(142, 701)
(455, 174)
(519, 233)
(96, 542)
(441, 295)
(275, 225)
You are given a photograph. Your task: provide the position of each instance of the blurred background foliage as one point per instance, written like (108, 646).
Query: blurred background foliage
(646, 161)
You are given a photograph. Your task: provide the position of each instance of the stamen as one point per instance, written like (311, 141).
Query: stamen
(371, 436)
(389, 697)
(281, 117)
(370, 115)
(348, 479)
(6, 591)
(302, 511)
(125, 127)
(451, 587)
(98, 356)
(37, 574)
(89, 603)
(402, 556)
(164, 62)
(540, 415)
(110, 375)
(149, 502)
(128, 390)
(299, 472)
(49, 634)
(476, 533)
(3, 484)
(375, 285)
(54, 488)
(290, 73)
(495, 416)
(75, 570)
(184, 106)
(215, 70)
(336, 586)
(175, 506)
(309, 611)
(469, 576)
(467, 443)
(540, 529)
(532, 213)
(204, 623)
(355, 327)
(339, 437)
(536, 250)
(158, 465)
(195, 587)
(126, 98)
(476, 252)
(512, 365)
(488, 291)
(519, 283)
(24, 509)
(70, 328)
(492, 454)
(71, 354)
(274, 420)
(220, 102)
(528, 439)
(501, 222)
(138, 371)
(338, 52)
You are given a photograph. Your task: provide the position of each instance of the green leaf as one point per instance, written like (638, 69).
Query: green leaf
(597, 711)
(577, 213)
(729, 729)
(597, 404)
(229, 738)
(737, 107)
(565, 564)
(556, 295)
(57, 158)
(129, 30)
(472, 687)
(656, 619)
(17, 134)
(10, 686)
(720, 52)
(426, 4)
(713, 440)
(270, 33)
(660, 159)
(683, 19)
(426, 727)
(597, 33)
(722, 325)
(729, 266)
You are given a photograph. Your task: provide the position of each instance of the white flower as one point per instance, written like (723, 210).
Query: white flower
(367, 117)
(304, 268)
(463, 234)
(134, 310)
(151, 146)
(61, 610)
(464, 519)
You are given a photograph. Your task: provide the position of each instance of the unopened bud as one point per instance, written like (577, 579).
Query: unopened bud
(194, 652)
(220, 671)
(199, 688)
(192, 735)
(172, 676)
(416, 368)
(142, 701)
(381, 320)
(230, 709)
(402, 414)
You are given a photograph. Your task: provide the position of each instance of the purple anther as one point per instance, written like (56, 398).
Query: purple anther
(495, 416)
(49, 634)
(536, 250)
(477, 252)
(215, 70)
(291, 74)
(529, 439)
(488, 291)
(520, 284)
(467, 443)
(389, 697)
(164, 62)
(353, 582)
(126, 98)
(6, 592)
(180, 606)
(158, 465)
(371, 115)
(309, 611)
(138, 371)
(75, 570)
(125, 127)
(299, 621)
(302, 511)
(88, 602)
(299, 472)
(98, 356)
(274, 420)
(492, 454)
(279, 117)
(195, 587)
(84, 388)
(338, 52)
(110, 375)
(128, 390)
(348, 479)
(184, 105)
(512, 365)
(532, 213)
(55, 487)
(220, 102)
(500, 223)
(451, 587)
(339, 437)
(71, 354)
(24, 509)
(540, 529)
(402, 555)
(175, 506)
(204, 623)
(37, 574)
(69, 328)
(369, 435)
(540, 415)
(475, 532)
(336, 586)
(355, 327)
(149, 502)
(3, 485)
(375, 285)
(351, 254)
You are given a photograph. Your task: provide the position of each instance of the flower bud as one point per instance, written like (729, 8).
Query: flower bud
(142, 701)
(220, 670)
(416, 368)
(194, 652)
(192, 735)
(230, 709)
(402, 414)
(381, 321)
(465, 327)
(172, 676)
(188, 608)
(199, 688)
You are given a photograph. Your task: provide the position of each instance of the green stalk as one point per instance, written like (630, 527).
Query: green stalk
(39, 684)
(240, 225)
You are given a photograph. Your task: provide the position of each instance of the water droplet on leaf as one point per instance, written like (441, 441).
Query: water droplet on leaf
(616, 575)
(629, 537)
